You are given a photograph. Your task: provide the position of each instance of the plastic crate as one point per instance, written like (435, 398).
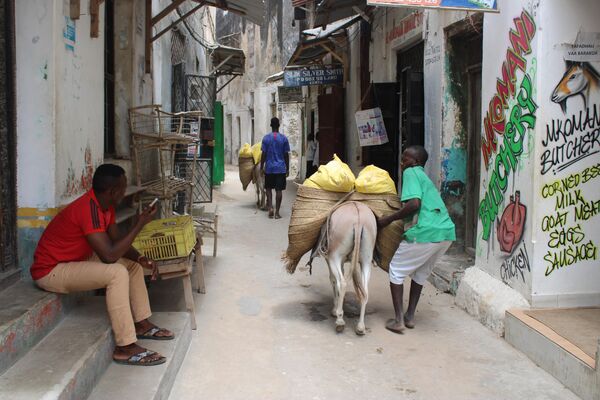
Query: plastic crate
(167, 238)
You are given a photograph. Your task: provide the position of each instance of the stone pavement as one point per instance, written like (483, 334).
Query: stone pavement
(264, 334)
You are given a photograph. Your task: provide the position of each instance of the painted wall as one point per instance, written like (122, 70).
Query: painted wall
(510, 111)
(60, 113)
(566, 270)
(60, 108)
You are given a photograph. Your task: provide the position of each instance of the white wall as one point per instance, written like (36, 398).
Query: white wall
(559, 233)
(513, 261)
(60, 104)
(36, 69)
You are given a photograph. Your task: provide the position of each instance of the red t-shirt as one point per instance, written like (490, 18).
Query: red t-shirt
(64, 239)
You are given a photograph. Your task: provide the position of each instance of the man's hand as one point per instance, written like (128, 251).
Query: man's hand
(147, 215)
(147, 263)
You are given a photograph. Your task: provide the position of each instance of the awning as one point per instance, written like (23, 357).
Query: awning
(227, 61)
(275, 77)
(253, 10)
(329, 11)
(318, 42)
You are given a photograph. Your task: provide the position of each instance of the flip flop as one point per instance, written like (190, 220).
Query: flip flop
(136, 359)
(151, 334)
(409, 324)
(277, 217)
(389, 325)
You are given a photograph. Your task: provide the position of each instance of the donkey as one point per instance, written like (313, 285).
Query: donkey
(348, 235)
(581, 79)
(258, 177)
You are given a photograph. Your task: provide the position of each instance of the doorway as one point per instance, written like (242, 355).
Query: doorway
(109, 78)
(331, 125)
(412, 100)
(461, 191)
(8, 202)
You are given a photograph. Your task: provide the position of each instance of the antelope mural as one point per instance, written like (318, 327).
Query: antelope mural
(581, 79)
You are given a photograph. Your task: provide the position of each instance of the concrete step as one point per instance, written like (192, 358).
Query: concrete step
(134, 382)
(68, 362)
(26, 316)
(562, 359)
(449, 270)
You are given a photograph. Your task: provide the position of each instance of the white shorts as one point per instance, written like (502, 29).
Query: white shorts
(415, 260)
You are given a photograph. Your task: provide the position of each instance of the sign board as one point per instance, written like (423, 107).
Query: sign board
(408, 28)
(313, 75)
(371, 129)
(470, 5)
(291, 94)
(585, 49)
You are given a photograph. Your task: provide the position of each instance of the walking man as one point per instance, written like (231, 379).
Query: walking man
(275, 161)
(425, 242)
(82, 249)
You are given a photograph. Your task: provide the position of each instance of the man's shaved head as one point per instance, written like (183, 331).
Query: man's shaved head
(419, 153)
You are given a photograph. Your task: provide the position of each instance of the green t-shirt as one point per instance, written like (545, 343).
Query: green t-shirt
(434, 223)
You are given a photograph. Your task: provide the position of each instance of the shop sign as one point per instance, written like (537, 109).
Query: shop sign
(470, 5)
(291, 94)
(313, 75)
(408, 28)
(371, 129)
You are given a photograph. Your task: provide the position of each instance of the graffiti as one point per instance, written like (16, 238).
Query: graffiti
(571, 140)
(511, 224)
(433, 54)
(76, 186)
(494, 121)
(514, 266)
(567, 239)
(522, 117)
(580, 79)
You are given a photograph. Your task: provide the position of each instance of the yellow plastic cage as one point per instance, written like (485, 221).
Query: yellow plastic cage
(167, 238)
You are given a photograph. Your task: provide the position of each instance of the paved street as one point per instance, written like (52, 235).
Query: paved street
(264, 334)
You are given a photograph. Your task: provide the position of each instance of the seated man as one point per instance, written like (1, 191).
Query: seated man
(81, 249)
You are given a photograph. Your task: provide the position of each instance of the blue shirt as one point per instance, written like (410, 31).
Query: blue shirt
(275, 146)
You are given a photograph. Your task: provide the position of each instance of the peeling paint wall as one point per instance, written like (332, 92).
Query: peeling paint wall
(60, 113)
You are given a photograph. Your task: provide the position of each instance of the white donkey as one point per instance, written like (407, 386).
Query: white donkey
(258, 177)
(348, 235)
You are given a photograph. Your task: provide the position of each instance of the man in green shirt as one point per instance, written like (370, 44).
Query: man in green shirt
(425, 241)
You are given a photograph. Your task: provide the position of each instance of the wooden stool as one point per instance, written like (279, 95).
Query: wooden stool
(179, 268)
(207, 223)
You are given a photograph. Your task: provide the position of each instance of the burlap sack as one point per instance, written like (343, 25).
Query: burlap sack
(246, 164)
(310, 211)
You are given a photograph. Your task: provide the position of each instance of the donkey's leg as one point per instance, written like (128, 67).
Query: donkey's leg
(361, 279)
(335, 267)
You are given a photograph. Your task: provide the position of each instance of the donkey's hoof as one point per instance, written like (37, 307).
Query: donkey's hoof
(360, 331)
(339, 328)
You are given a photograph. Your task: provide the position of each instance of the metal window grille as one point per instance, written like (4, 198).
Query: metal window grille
(201, 93)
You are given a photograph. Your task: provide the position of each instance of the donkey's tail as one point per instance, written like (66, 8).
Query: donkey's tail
(358, 232)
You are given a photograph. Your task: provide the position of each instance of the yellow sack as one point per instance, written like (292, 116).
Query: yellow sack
(335, 176)
(373, 180)
(245, 151)
(257, 152)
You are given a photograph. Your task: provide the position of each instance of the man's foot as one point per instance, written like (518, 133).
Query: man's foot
(394, 325)
(271, 213)
(136, 355)
(409, 322)
(277, 216)
(147, 330)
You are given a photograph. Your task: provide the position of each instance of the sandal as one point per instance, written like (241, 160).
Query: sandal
(136, 359)
(151, 334)
(271, 212)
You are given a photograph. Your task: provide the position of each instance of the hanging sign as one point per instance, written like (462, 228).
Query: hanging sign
(291, 94)
(471, 5)
(371, 129)
(313, 75)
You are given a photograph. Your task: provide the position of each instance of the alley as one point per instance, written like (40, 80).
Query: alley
(263, 334)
